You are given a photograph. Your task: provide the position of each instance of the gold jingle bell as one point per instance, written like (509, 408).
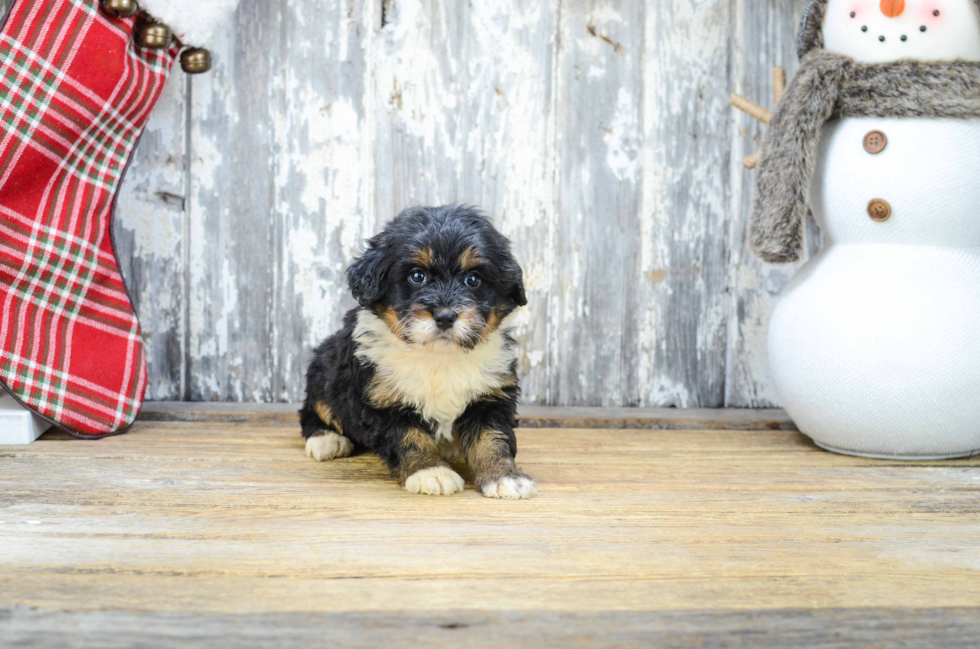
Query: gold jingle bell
(120, 8)
(154, 36)
(195, 60)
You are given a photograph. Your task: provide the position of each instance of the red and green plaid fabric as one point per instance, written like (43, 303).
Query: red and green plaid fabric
(75, 93)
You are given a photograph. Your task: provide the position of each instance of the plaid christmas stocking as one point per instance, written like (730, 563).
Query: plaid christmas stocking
(75, 93)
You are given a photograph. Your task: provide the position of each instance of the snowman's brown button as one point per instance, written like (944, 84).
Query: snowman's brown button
(879, 210)
(875, 142)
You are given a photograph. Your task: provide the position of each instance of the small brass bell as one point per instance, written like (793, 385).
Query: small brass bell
(154, 36)
(195, 60)
(120, 8)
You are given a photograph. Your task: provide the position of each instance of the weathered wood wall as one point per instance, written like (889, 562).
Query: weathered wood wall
(595, 132)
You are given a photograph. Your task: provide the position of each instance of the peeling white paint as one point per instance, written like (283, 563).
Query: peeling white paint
(666, 393)
(306, 259)
(534, 358)
(151, 198)
(623, 157)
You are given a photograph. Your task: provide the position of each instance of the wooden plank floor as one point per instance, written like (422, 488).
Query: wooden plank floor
(212, 533)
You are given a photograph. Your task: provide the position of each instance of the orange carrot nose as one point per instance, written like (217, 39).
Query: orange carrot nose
(892, 8)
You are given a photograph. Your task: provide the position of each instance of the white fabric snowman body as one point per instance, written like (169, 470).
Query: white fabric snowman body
(874, 346)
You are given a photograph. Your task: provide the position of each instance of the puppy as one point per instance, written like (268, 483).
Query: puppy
(424, 370)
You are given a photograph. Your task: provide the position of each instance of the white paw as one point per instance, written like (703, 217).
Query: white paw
(328, 446)
(437, 481)
(510, 488)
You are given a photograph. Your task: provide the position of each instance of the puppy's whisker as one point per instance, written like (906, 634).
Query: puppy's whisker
(401, 325)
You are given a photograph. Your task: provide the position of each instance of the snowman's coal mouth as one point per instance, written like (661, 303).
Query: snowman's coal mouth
(884, 37)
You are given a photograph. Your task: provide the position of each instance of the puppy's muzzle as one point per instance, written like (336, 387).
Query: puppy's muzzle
(445, 318)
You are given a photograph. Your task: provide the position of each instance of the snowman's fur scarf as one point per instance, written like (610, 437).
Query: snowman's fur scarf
(829, 86)
(192, 21)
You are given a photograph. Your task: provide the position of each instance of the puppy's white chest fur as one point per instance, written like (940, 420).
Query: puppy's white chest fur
(439, 379)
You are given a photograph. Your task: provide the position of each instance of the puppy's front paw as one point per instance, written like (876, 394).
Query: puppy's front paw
(510, 487)
(328, 446)
(435, 481)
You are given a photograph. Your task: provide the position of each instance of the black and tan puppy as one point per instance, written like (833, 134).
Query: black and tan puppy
(424, 369)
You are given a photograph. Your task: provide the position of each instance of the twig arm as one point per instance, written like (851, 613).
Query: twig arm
(751, 108)
(778, 82)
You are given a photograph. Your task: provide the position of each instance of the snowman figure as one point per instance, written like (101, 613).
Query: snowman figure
(874, 346)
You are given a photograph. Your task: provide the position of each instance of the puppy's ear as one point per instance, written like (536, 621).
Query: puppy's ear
(514, 277)
(368, 275)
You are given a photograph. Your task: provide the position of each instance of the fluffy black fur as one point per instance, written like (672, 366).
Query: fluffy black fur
(449, 246)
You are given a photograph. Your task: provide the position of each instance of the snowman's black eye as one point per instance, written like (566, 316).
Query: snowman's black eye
(922, 29)
(853, 14)
(904, 38)
(864, 29)
(935, 13)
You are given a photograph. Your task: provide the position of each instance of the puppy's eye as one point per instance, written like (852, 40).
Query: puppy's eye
(417, 277)
(472, 280)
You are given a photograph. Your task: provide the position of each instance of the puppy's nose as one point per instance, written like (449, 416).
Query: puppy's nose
(892, 8)
(445, 318)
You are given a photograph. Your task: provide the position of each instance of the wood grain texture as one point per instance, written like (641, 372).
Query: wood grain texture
(688, 534)
(595, 132)
(687, 150)
(599, 94)
(950, 628)
(279, 195)
(527, 416)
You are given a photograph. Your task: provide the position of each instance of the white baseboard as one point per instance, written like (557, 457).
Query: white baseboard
(18, 425)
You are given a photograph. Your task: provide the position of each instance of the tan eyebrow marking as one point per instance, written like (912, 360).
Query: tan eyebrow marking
(470, 259)
(425, 257)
